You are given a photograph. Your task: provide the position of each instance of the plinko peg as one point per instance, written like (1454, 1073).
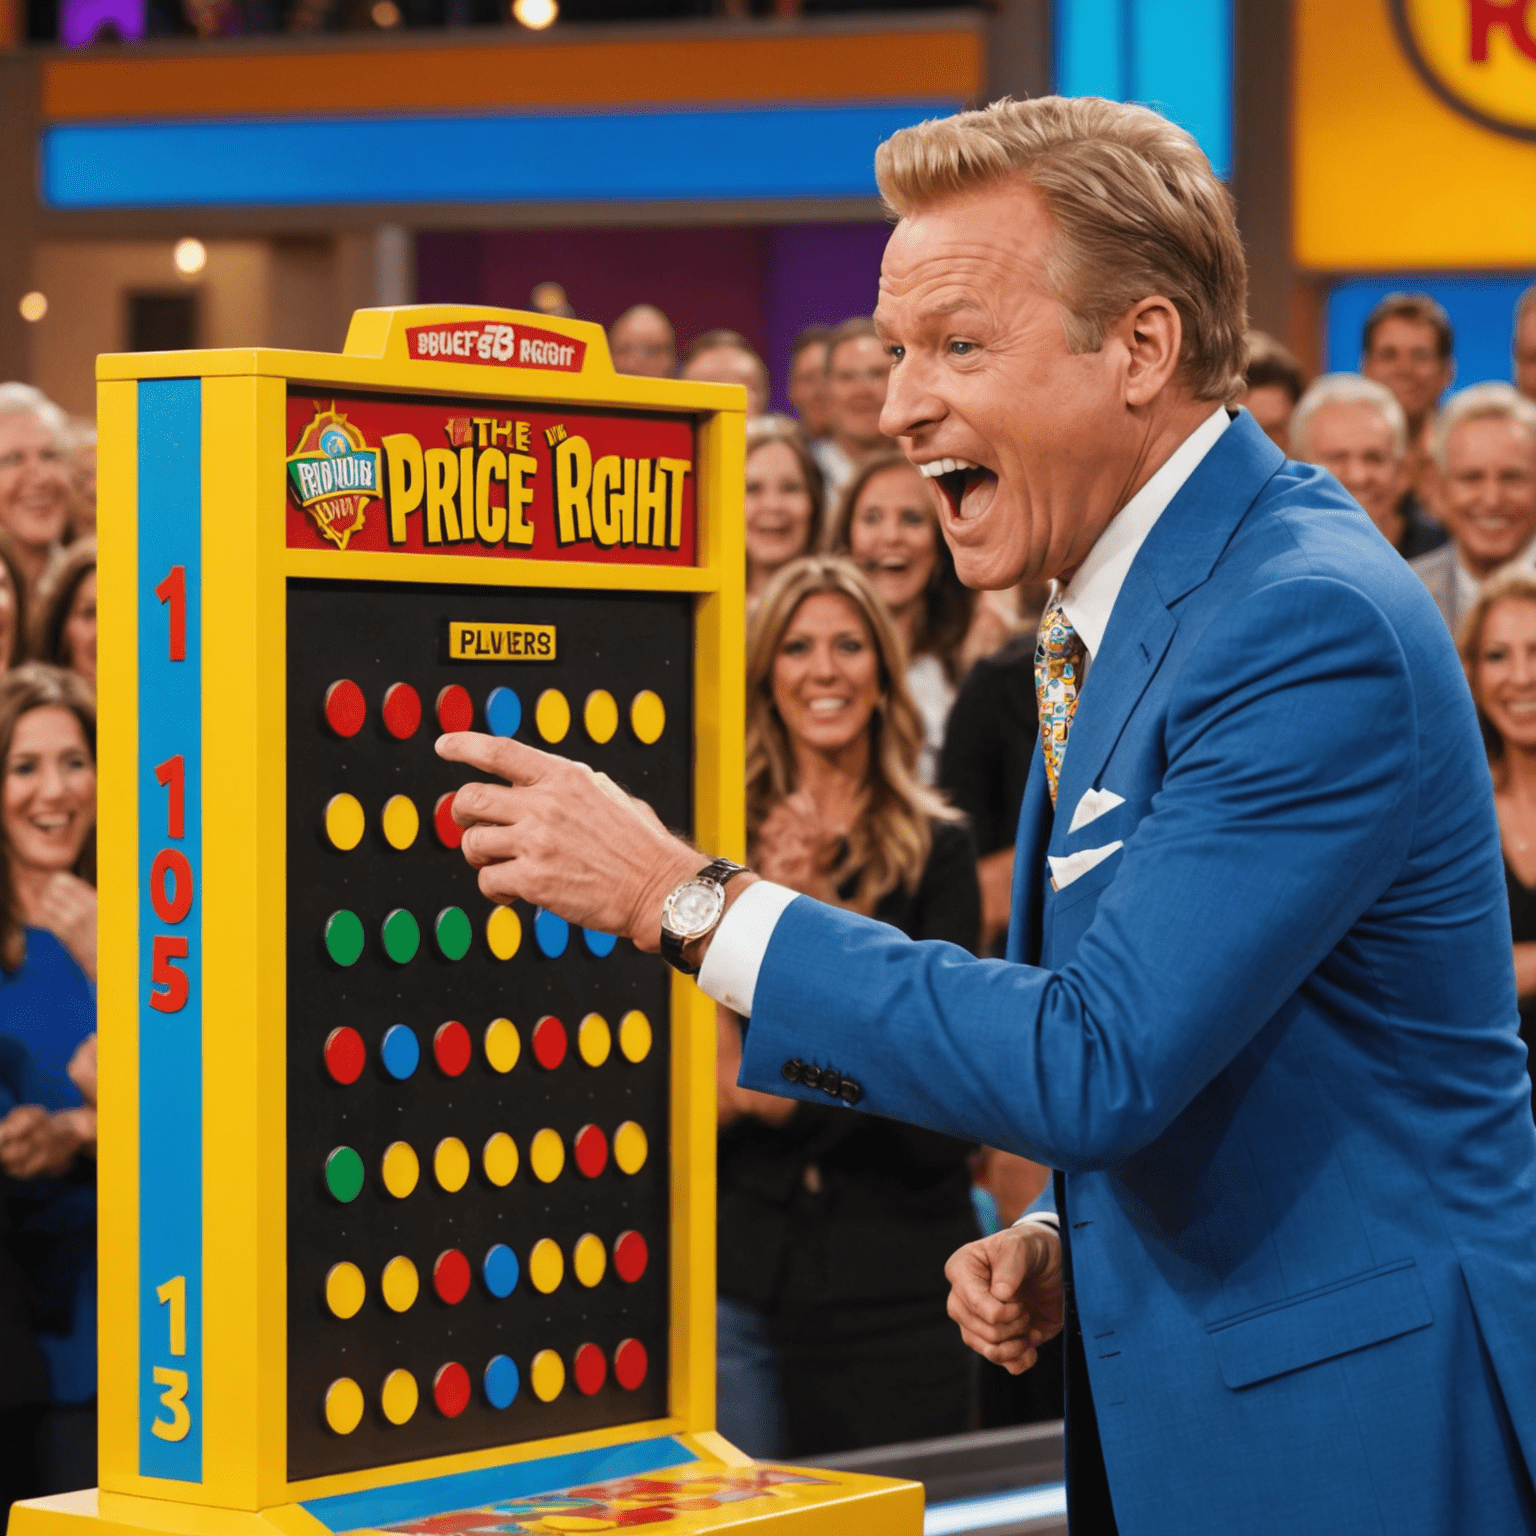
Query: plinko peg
(600, 715)
(345, 1290)
(345, 707)
(345, 1054)
(344, 1174)
(400, 1051)
(402, 936)
(455, 709)
(546, 1266)
(400, 1284)
(344, 822)
(630, 1148)
(500, 1271)
(551, 932)
(552, 715)
(401, 822)
(549, 1042)
(499, 1159)
(344, 937)
(591, 1151)
(503, 712)
(451, 1048)
(594, 1040)
(546, 1155)
(449, 833)
(503, 1045)
(401, 1168)
(647, 716)
(635, 1036)
(599, 945)
(630, 1364)
(402, 710)
(501, 1382)
(450, 1164)
(343, 1405)
(590, 1370)
(548, 1375)
(589, 1259)
(454, 933)
(450, 1389)
(630, 1256)
(503, 932)
(399, 1397)
(450, 1276)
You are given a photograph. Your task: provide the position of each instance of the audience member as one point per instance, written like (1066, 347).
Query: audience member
(857, 369)
(808, 381)
(1407, 344)
(1355, 428)
(888, 524)
(66, 623)
(1525, 343)
(15, 607)
(34, 476)
(642, 341)
(784, 504)
(834, 1228)
(80, 449)
(1485, 451)
(727, 357)
(1498, 650)
(1274, 384)
(47, 1004)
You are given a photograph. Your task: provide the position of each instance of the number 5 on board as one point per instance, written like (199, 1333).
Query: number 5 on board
(175, 1398)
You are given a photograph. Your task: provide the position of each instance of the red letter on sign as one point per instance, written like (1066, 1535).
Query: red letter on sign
(173, 590)
(162, 973)
(1484, 15)
(173, 774)
(172, 908)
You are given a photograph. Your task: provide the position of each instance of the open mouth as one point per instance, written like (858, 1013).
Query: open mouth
(958, 481)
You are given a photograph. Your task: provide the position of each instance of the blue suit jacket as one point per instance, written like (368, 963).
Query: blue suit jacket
(1272, 1040)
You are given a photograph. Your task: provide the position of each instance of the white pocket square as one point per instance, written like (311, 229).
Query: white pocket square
(1095, 803)
(1075, 865)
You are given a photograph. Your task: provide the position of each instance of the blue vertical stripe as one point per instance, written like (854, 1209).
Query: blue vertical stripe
(170, 1043)
(1092, 48)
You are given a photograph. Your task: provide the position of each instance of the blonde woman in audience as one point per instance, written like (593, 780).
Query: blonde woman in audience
(784, 500)
(66, 624)
(834, 1228)
(888, 524)
(1498, 649)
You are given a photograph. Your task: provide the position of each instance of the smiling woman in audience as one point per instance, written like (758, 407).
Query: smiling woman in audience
(66, 629)
(834, 1228)
(784, 500)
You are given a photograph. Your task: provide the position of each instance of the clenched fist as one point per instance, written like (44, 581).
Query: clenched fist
(1006, 1295)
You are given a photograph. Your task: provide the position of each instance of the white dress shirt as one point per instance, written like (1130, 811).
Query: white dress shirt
(1469, 588)
(735, 954)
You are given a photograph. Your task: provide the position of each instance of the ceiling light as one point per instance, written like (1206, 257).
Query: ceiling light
(33, 305)
(535, 14)
(190, 256)
(385, 13)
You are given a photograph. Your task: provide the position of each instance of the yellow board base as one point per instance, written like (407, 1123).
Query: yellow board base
(707, 1495)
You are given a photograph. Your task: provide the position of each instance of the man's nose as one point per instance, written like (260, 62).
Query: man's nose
(910, 403)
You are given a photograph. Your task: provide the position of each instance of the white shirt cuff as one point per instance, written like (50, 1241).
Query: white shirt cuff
(735, 953)
(1040, 1219)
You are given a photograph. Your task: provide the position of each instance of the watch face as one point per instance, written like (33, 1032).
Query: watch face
(693, 907)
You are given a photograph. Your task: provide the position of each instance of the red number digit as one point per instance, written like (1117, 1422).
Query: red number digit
(168, 947)
(173, 774)
(173, 590)
(175, 906)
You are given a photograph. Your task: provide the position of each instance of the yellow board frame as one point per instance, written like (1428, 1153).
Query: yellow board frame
(245, 565)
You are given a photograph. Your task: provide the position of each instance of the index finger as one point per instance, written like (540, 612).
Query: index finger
(514, 761)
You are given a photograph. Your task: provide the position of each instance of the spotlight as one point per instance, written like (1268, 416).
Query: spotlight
(385, 13)
(190, 256)
(535, 14)
(33, 305)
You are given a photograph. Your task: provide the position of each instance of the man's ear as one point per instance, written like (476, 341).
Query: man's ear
(1153, 334)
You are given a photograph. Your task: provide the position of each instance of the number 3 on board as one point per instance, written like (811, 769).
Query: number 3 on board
(173, 1294)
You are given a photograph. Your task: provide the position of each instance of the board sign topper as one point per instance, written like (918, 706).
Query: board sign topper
(333, 475)
(492, 341)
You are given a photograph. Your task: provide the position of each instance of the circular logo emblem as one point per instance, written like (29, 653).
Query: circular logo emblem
(1477, 56)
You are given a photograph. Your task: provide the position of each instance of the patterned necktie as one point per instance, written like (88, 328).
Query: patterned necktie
(1058, 675)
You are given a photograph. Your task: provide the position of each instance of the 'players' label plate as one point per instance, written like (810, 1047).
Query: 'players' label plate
(500, 642)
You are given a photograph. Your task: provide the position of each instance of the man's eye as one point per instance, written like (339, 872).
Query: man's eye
(896, 353)
(962, 348)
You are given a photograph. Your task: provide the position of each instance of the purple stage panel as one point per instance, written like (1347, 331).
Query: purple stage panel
(81, 22)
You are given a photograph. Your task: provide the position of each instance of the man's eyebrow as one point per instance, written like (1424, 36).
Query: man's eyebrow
(934, 311)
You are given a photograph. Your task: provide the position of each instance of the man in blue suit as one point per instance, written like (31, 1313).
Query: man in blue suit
(1258, 1008)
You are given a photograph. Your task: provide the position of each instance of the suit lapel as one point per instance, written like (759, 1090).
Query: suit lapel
(1178, 555)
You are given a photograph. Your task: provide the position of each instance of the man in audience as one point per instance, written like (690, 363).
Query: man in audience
(34, 476)
(1407, 344)
(1485, 450)
(642, 341)
(808, 381)
(1525, 343)
(857, 369)
(1355, 428)
(727, 357)
(1274, 385)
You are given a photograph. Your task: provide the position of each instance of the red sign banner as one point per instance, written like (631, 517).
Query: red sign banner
(506, 482)
(494, 341)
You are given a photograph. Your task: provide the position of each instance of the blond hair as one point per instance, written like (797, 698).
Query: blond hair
(1136, 207)
(1517, 587)
(1482, 402)
(889, 844)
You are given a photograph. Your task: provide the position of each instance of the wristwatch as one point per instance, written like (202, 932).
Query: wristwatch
(693, 910)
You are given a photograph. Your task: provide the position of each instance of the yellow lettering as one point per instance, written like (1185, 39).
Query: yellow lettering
(676, 469)
(573, 482)
(442, 482)
(523, 429)
(406, 481)
(650, 502)
(175, 1398)
(482, 425)
(501, 431)
(613, 498)
(490, 522)
(519, 466)
(466, 493)
(173, 1294)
